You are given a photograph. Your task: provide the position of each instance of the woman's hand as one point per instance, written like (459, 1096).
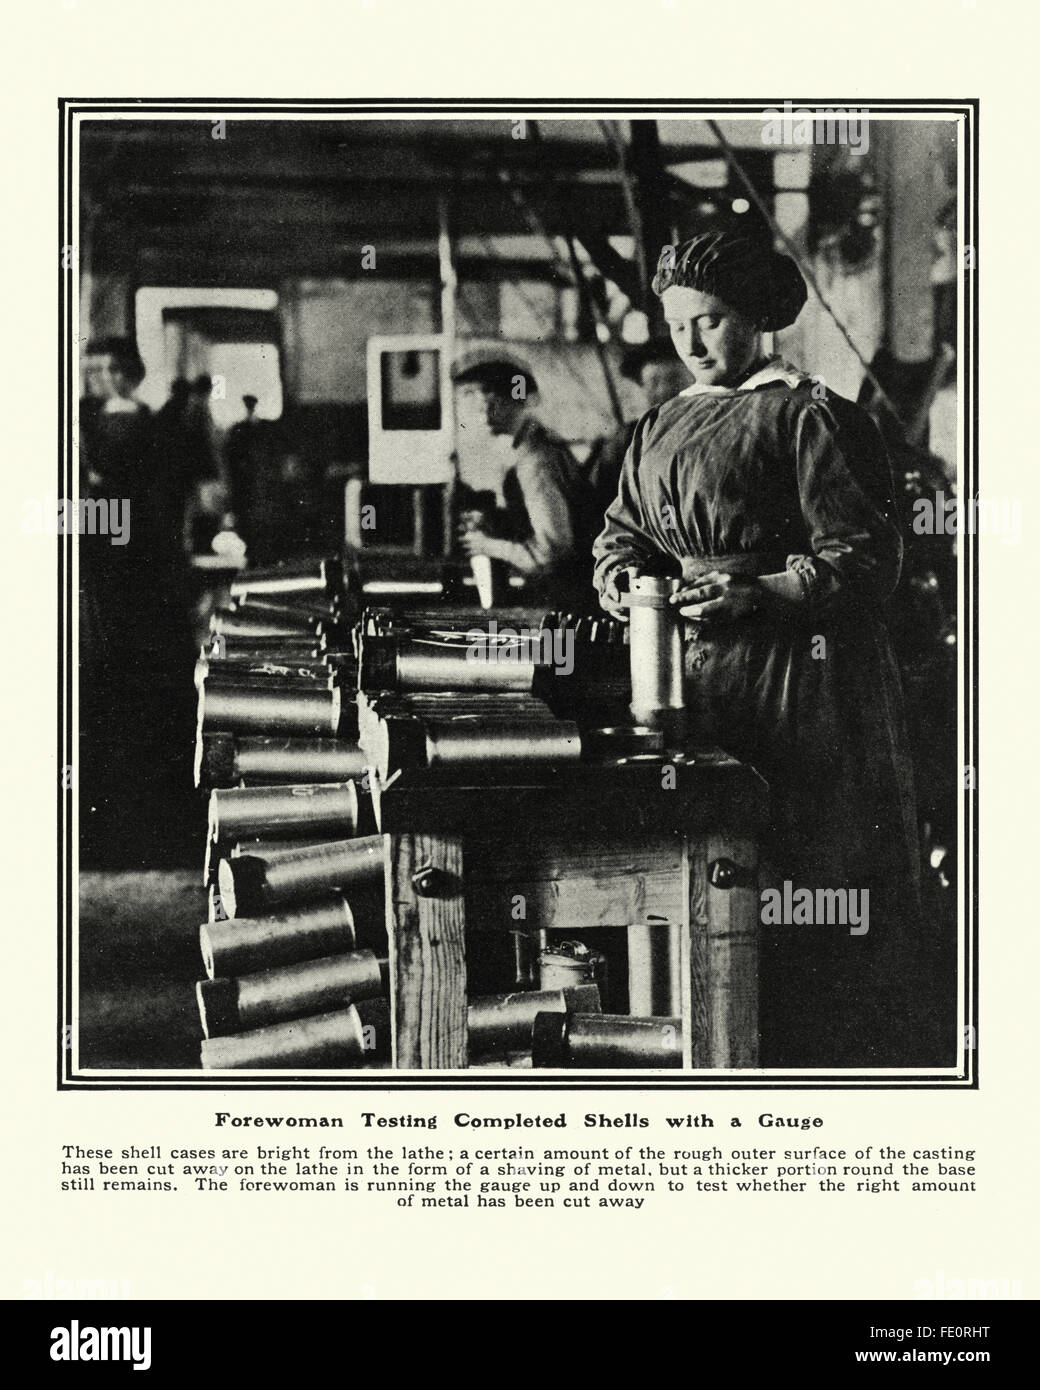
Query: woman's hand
(715, 597)
(610, 598)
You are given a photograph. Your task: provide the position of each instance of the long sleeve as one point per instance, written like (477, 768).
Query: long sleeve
(626, 536)
(543, 484)
(847, 502)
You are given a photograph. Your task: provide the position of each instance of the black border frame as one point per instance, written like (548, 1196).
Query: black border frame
(385, 1081)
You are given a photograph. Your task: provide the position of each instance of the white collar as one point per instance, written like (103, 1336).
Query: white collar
(776, 369)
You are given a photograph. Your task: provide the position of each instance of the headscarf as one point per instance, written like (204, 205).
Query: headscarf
(743, 271)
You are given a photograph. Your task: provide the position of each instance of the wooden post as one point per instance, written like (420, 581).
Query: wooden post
(652, 226)
(686, 966)
(353, 540)
(909, 156)
(449, 332)
(426, 927)
(720, 965)
(419, 521)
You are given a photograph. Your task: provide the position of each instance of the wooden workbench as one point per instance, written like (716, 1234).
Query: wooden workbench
(597, 847)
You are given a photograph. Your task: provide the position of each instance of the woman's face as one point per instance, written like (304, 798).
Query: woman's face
(714, 342)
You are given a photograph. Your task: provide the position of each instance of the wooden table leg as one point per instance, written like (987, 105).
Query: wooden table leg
(720, 966)
(426, 927)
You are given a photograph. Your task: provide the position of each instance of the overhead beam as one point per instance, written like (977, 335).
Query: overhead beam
(300, 151)
(612, 265)
(482, 210)
(230, 268)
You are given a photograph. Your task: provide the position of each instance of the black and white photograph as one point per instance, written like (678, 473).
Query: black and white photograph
(520, 682)
(518, 575)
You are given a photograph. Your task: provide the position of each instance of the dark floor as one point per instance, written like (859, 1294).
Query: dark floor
(139, 961)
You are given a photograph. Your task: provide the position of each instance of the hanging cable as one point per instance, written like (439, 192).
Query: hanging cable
(592, 310)
(537, 313)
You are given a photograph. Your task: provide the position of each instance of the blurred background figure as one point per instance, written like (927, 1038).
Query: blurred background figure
(209, 499)
(243, 428)
(655, 369)
(241, 451)
(171, 415)
(179, 468)
(93, 393)
(256, 459)
(135, 636)
(117, 429)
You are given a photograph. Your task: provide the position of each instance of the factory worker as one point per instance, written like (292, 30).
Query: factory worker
(537, 524)
(771, 499)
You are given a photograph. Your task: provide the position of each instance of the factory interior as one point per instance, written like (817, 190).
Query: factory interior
(364, 781)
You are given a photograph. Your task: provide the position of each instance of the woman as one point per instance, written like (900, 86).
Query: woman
(143, 577)
(772, 502)
(135, 635)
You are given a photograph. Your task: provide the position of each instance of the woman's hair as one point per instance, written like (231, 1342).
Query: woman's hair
(743, 271)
